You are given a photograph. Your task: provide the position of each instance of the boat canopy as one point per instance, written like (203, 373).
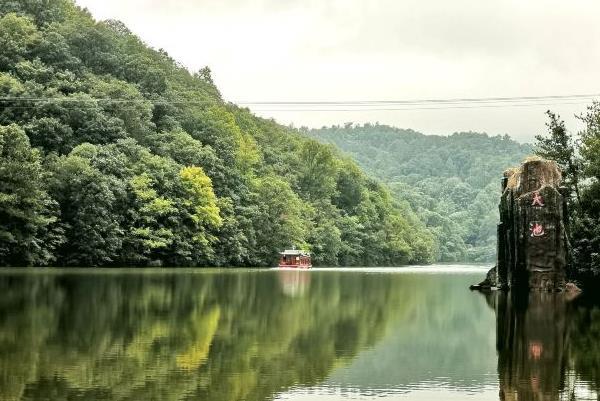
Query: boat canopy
(294, 252)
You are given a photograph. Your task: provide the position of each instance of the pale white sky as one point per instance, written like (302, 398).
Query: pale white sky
(340, 50)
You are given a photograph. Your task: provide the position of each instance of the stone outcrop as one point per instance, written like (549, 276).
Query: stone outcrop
(533, 245)
(532, 234)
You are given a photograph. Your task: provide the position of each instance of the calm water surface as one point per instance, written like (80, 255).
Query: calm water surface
(344, 334)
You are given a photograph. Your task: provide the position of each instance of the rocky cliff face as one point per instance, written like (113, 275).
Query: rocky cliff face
(532, 235)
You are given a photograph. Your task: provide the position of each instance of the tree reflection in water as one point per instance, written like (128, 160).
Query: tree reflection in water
(166, 335)
(251, 335)
(548, 346)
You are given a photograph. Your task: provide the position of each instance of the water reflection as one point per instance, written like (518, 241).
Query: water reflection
(174, 336)
(295, 282)
(542, 339)
(532, 338)
(263, 335)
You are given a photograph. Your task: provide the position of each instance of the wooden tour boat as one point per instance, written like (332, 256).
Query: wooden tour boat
(295, 259)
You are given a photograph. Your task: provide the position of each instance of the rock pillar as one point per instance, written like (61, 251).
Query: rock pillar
(532, 234)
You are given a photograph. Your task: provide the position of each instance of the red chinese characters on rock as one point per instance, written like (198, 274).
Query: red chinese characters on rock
(537, 199)
(537, 230)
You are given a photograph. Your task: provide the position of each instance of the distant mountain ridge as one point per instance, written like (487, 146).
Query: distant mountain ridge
(451, 181)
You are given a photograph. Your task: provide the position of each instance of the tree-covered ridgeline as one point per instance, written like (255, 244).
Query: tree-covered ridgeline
(578, 155)
(112, 154)
(452, 182)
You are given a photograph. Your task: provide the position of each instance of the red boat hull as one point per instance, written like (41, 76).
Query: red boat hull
(297, 266)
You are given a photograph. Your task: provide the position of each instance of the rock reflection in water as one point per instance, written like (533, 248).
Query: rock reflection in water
(532, 338)
(547, 346)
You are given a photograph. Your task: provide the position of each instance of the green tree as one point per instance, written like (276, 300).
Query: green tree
(586, 218)
(200, 210)
(349, 189)
(44, 12)
(18, 35)
(280, 220)
(318, 174)
(325, 237)
(559, 146)
(579, 162)
(590, 141)
(27, 213)
(88, 214)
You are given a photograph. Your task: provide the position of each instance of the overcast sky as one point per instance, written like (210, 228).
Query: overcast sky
(342, 50)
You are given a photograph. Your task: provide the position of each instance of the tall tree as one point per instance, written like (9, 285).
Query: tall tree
(590, 141)
(88, 213)
(18, 35)
(26, 210)
(558, 145)
(318, 171)
(281, 218)
(586, 227)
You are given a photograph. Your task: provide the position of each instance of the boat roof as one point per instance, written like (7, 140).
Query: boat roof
(295, 252)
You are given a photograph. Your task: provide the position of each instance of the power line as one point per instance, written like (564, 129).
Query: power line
(420, 101)
(303, 103)
(449, 107)
(319, 106)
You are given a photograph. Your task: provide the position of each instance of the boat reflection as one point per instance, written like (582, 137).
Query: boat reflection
(294, 283)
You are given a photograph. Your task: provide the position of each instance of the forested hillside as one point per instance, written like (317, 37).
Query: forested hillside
(112, 154)
(451, 181)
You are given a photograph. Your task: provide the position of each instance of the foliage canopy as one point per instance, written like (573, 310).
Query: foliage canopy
(114, 154)
(451, 182)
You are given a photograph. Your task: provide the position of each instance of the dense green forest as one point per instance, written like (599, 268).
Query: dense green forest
(112, 153)
(578, 156)
(452, 182)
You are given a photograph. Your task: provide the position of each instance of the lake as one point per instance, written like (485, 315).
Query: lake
(325, 334)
